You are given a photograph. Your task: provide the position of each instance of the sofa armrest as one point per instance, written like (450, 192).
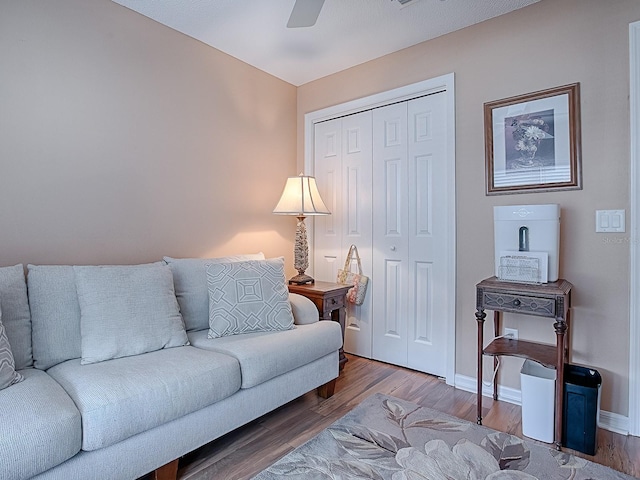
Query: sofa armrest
(304, 310)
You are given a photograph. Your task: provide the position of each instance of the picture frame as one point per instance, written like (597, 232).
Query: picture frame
(532, 142)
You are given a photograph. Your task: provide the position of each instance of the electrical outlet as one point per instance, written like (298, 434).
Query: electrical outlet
(511, 333)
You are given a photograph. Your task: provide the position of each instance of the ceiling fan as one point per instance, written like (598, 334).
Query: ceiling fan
(305, 13)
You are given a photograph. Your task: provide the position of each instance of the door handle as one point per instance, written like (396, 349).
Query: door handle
(392, 248)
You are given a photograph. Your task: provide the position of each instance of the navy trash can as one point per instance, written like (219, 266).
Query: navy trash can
(581, 408)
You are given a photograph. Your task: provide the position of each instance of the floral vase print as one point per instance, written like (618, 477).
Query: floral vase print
(530, 140)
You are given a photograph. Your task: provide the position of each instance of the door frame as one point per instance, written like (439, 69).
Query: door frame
(445, 84)
(634, 300)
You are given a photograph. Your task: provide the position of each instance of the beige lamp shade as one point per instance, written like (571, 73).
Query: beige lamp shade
(301, 197)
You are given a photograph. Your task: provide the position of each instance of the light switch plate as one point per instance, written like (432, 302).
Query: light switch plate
(611, 221)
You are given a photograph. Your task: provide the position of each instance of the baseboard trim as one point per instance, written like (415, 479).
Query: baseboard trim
(613, 422)
(509, 395)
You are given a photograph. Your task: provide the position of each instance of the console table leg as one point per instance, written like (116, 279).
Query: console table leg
(340, 316)
(567, 337)
(497, 326)
(480, 316)
(561, 328)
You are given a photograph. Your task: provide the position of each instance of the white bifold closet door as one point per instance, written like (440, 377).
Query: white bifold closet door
(382, 173)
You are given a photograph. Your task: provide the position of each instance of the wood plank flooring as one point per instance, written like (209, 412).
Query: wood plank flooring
(248, 450)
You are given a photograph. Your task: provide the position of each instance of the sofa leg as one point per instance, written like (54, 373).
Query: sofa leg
(167, 472)
(326, 390)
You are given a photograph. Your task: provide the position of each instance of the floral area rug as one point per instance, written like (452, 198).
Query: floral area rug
(387, 438)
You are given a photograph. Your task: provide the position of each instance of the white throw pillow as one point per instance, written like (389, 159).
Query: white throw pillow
(127, 310)
(248, 296)
(8, 374)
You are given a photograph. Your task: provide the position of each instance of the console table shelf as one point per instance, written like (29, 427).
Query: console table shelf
(543, 354)
(551, 300)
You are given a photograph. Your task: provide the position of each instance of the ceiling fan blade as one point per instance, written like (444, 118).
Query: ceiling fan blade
(305, 13)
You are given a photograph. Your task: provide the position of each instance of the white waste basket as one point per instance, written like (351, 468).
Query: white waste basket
(537, 384)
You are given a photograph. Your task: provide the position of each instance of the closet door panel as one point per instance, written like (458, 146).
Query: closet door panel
(390, 241)
(356, 222)
(328, 172)
(427, 235)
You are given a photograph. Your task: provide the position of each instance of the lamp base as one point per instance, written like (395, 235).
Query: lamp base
(301, 279)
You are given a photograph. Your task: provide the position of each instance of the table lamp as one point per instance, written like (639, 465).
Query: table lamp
(301, 197)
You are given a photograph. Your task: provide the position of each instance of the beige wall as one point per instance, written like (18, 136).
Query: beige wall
(122, 140)
(551, 43)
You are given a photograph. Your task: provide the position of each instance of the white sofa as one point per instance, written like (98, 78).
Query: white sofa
(123, 417)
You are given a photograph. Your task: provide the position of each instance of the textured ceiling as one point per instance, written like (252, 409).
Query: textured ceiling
(347, 33)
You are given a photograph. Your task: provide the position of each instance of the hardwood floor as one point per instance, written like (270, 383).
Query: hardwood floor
(248, 450)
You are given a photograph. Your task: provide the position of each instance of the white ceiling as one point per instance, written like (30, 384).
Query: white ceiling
(347, 33)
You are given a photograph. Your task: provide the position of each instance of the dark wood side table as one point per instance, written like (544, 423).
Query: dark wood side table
(330, 300)
(551, 300)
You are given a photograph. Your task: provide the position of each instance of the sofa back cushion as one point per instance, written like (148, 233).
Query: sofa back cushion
(55, 314)
(127, 310)
(15, 314)
(190, 281)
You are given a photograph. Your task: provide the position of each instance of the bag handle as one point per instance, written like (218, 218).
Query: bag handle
(353, 250)
(347, 261)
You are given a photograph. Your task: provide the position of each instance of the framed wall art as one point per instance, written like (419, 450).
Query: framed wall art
(532, 142)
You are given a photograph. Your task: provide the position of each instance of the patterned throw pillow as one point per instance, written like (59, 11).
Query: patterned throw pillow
(8, 374)
(248, 296)
(190, 281)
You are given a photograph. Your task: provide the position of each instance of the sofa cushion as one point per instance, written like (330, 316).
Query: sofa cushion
(247, 297)
(190, 281)
(123, 397)
(39, 426)
(16, 316)
(127, 310)
(265, 355)
(55, 314)
(8, 374)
